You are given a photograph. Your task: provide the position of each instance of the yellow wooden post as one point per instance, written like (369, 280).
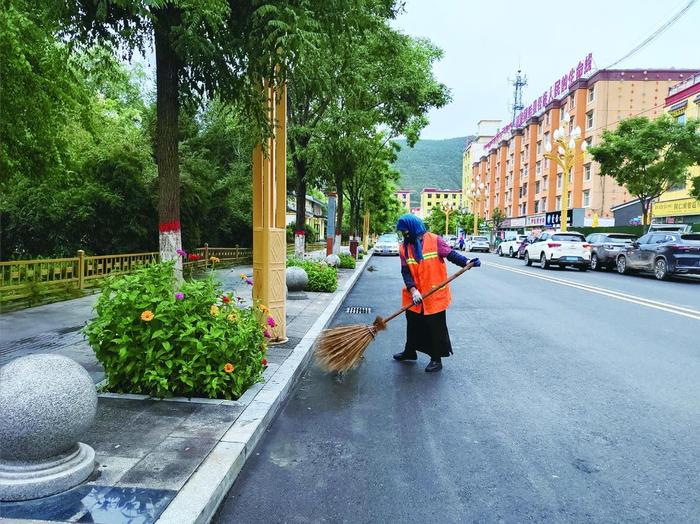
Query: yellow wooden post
(365, 232)
(81, 268)
(269, 210)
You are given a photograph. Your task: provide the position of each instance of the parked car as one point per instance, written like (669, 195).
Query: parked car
(606, 246)
(451, 240)
(559, 248)
(510, 247)
(521, 249)
(478, 244)
(663, 254)
(671, 228)
(387, 244)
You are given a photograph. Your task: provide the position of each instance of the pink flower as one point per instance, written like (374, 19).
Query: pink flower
(267, 334)
(271, 322)
(181, 252)
(249, 281)
(179, 296)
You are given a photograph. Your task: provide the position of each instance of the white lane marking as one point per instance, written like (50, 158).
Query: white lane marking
(662, 306)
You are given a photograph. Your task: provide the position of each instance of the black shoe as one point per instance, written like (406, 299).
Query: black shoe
(405, 356)
(435, 365)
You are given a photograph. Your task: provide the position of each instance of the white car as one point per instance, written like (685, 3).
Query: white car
(510, 247)
(478, 244)
(559, 248)
(387, 245)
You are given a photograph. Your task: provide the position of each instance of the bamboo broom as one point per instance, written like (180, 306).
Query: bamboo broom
(340, 349)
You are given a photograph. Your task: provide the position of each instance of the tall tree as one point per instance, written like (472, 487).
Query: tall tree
(201, 49)
(649, 156)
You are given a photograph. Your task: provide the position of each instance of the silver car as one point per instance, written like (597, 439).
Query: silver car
(387, 244)
(478, 244)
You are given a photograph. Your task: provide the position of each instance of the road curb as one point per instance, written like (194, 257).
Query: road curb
(201, 495)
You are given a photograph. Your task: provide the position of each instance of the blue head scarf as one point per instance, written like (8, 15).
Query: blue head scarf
(415, 227)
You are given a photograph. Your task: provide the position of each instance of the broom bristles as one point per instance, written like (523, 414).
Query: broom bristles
(340, 349)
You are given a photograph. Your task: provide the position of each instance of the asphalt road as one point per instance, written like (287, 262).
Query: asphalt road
(574, 398)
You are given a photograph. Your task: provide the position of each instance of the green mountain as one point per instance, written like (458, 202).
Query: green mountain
(431, 163)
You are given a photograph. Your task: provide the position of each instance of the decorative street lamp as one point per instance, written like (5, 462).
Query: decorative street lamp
(567, 144)
(477, 193)
(447, 208)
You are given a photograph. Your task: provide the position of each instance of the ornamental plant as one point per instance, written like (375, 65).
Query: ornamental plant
(322, 277)
(347, 261)
(156, 339)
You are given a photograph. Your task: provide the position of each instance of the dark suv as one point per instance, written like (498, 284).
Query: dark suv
(662, 253)
(606, 246)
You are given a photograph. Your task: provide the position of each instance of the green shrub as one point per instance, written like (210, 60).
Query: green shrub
(347, 261)
(322, 277)
(153, 341)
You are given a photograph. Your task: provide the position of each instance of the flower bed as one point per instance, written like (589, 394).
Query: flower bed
(322, 277)
(155, 338)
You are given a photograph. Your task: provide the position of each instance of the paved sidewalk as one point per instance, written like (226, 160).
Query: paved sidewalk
(181, 456)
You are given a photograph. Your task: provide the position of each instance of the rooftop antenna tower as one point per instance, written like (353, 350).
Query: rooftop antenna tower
(518, 84)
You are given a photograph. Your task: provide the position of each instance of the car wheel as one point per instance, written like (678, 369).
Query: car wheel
(543, 261)
(499, 252)
(661, 269)
(510, 252)
(621, 264)
(595, 263)
(528, 262)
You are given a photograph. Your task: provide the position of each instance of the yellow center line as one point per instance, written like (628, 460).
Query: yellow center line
(662, 306)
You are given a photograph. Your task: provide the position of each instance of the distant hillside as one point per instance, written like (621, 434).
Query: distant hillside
(431, 163)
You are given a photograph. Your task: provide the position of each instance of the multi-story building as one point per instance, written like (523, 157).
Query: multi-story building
(485, 131)
(526, 186)
(404, 196)
(431, 197)
(676, 205)
(315, 215)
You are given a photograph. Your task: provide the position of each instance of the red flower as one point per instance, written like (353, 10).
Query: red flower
(226, 299)
(264, 362)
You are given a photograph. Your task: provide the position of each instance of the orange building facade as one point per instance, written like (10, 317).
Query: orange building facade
(527, 187)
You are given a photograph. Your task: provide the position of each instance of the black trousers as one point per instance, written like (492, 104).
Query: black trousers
(428, 334)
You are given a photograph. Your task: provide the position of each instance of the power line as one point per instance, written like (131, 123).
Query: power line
(656, 33)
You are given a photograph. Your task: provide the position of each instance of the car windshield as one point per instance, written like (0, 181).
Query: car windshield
(388, 238)
(567, 237)
(621, 238)
(480, 239)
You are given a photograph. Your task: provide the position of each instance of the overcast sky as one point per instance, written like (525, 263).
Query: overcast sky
(485, 42)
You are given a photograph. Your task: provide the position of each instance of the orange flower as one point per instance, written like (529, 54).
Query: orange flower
(264, 308)
(214, 310)
(147, 315)
(228, 368)
(214, 260)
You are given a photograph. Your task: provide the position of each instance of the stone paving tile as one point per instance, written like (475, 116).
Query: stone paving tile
(208, 421)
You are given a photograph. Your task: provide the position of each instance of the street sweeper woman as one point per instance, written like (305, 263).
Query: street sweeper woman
(423, 268)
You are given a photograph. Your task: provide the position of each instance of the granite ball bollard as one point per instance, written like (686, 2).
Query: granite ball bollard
(333, 260)
(297, 279)
(47, 403)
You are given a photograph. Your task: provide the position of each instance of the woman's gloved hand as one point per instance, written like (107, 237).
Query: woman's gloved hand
(417, 297)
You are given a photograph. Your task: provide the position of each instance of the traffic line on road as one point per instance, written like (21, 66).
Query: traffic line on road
(662, 306)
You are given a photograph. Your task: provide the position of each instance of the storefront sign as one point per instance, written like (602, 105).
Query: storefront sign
(556, 90)
(534, 220)
(517, 222)
(684, 206)
(553, 219)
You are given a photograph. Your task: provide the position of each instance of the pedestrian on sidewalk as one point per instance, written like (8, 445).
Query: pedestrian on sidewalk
(423, 267)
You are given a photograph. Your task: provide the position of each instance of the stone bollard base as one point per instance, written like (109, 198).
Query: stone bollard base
(35, 479)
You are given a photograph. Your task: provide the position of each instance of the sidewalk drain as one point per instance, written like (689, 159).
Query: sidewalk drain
(358, 310)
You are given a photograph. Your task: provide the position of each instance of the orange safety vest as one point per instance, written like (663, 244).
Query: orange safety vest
(427, 274)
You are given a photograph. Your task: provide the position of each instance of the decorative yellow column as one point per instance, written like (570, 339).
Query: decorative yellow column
(365, 232)
(269, 209)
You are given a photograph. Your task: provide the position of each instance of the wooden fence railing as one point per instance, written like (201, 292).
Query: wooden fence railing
(20, 279)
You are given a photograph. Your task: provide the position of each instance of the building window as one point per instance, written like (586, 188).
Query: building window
(568, 200)
(589, 120)
(537, 186)
(546, 163)
(538, 167)
(537, 206)
(573, 101)
(587, 172)
(547, 119)
(591, 93)
(539, 147)
(586, 198)
(681, 118)
(558, 204)
(558, 180)
(544, 204)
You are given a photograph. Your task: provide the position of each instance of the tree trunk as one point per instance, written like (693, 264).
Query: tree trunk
(167, 111)
(339, 214)
(300, 227)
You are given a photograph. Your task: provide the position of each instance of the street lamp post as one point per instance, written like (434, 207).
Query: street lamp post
(478, 194)
(447, 208)
(567, 144)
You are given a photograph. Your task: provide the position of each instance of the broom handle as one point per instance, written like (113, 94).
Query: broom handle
(442, 284)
